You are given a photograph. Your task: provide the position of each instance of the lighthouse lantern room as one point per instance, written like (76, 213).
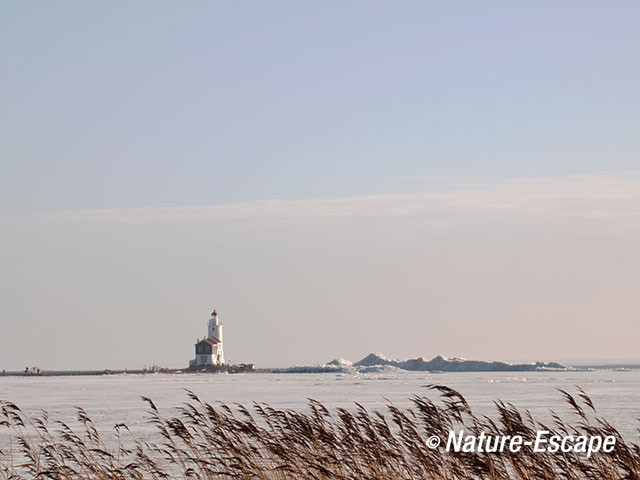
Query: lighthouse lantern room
(209, 350)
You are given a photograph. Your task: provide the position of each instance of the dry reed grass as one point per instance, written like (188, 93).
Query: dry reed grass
(203, 441)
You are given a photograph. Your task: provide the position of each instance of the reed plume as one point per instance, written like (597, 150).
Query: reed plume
(205, 441)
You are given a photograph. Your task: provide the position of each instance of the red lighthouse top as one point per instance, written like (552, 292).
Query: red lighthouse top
(214, 313)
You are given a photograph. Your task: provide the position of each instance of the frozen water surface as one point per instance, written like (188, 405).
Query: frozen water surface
(112, 399)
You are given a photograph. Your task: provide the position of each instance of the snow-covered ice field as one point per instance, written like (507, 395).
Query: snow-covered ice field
(116, 399)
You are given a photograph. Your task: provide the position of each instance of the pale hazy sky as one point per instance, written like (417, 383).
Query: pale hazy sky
(336, 178)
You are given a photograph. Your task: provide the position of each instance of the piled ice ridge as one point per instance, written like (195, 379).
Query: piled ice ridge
(378, 362)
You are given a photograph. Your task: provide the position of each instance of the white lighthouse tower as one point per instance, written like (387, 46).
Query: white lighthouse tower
(215, 331)
(209, 350)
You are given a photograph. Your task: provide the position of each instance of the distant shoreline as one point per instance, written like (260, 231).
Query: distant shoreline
(302, 369)
(242, 368)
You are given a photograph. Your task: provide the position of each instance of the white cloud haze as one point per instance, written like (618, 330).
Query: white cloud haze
(574, 196)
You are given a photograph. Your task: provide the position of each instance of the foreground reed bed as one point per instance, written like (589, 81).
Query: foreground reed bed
(203, 441)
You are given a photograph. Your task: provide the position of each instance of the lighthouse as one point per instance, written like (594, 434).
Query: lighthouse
(209, 350)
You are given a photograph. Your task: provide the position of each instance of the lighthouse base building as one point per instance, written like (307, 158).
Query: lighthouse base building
(209, 352)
